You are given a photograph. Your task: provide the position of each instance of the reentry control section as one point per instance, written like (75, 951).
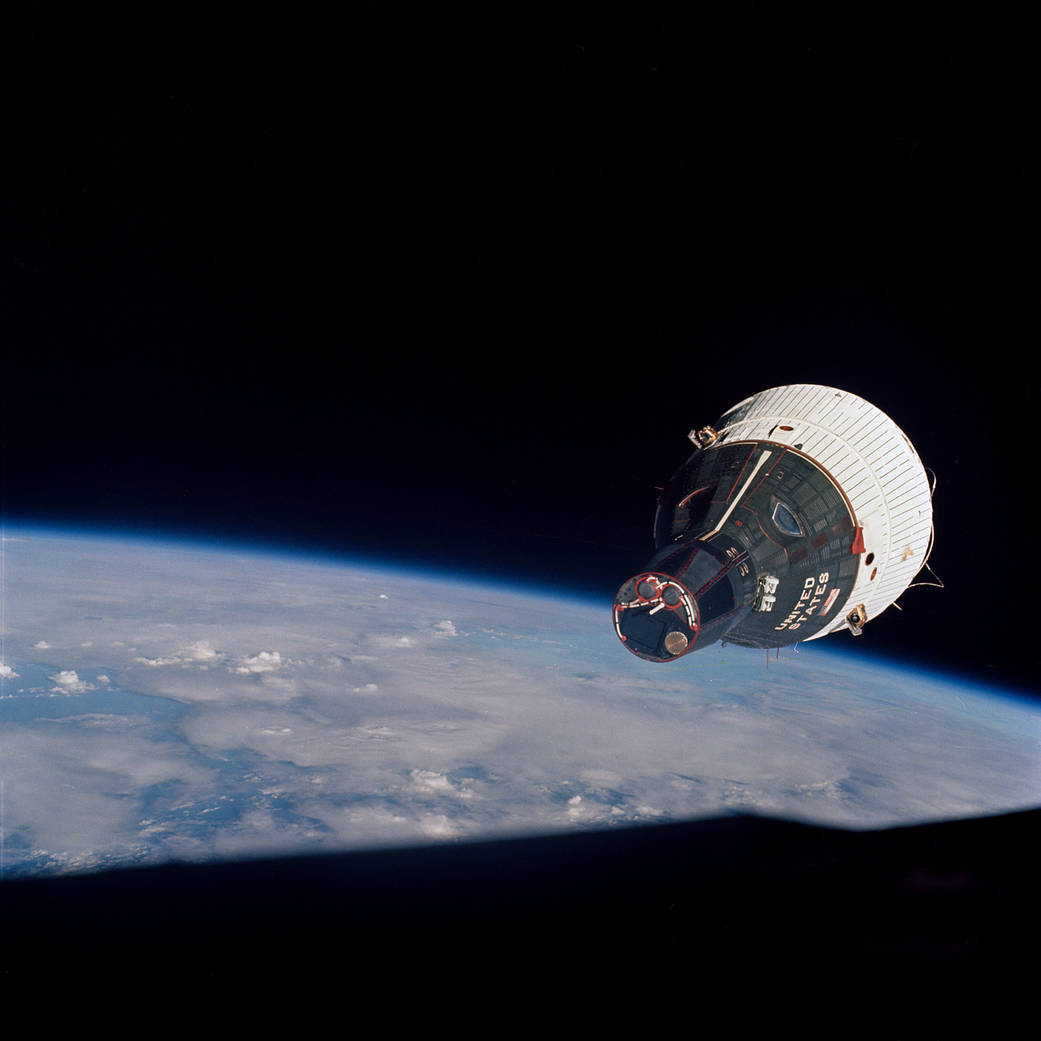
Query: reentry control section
(656, 616)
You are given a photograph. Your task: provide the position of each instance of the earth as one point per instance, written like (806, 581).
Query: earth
(165, 701)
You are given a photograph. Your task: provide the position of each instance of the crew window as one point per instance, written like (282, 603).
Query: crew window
(786, 521)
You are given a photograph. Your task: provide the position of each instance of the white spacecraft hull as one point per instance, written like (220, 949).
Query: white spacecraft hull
(874, 463)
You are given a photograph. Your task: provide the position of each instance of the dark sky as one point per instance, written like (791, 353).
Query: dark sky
(452, 286)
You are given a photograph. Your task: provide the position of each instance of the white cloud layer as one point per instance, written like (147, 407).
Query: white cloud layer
(379, 721)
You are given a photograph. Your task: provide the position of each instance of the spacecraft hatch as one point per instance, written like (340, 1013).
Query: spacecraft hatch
(802, 511)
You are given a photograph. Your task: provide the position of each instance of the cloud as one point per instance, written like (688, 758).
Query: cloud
(199, 651)
(265, 661)
(386, 640)
(438, 826)
(510, 734)
(71, 789)
(7, 672)
(431, 781)
(68, 682)
(42, 645)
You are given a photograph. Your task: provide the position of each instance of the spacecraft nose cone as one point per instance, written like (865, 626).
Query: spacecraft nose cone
(656, 616)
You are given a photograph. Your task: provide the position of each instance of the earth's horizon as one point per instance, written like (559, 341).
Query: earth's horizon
(169, 701)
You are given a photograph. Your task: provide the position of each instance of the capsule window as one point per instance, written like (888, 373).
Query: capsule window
(786, 521)
(692, 509)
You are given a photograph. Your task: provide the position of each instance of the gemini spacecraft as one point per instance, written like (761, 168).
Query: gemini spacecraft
(803, 511)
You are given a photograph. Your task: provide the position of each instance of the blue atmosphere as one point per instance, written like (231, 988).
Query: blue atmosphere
(168, 700)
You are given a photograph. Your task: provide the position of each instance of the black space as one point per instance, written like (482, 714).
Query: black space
(449, 285)
(454, 289)
(743, 920)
